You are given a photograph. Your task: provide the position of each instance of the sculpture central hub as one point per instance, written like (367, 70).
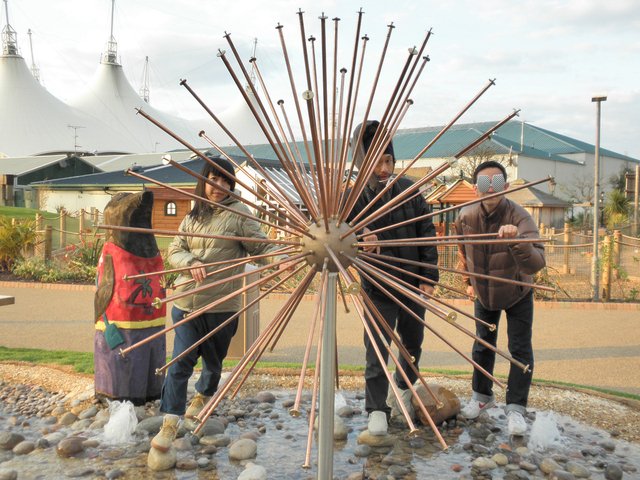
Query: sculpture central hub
(324, 241)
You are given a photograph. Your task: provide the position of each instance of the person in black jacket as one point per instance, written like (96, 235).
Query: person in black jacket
(380, 401)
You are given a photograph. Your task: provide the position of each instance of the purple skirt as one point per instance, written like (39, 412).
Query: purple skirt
(132, 377)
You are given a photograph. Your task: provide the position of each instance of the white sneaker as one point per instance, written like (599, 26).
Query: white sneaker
(516, 424)
(392, 402)
(473, 408)
(378, 423)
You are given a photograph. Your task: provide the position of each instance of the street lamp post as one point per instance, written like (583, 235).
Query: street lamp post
(596, 197)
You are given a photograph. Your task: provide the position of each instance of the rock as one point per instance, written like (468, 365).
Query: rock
(608, 445)
(483, 464)
(67, 419)
(577, 470)
(216, 440)
(159, 461)
(24, 447)
(8, 440)
(265, 397)
(80, 472)
(182, 444)
(151, 425)
(613, 472)
(501, 459)
(70, 446)
(88, 413)
(376, 440)
(362, 451)
(8, 474)
(115, 473)
(561, 475)
(213, 426)
(450, 403)
(548, 465)
(253, 472)
(187, 464)
(243, 449)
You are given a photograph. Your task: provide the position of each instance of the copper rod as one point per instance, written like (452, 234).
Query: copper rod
(396, 391)
(405, 169)
(303, 167)
(402, 197)
(454, 270)
(159, 301)
(425, 241)
(248, 155)
(222, 206)
(343, 296)
(300, 172)
(325, 83)
(157, 231)
(298, 108)
(203, 157)
(352, 285)
(219, 169)
(339, 178)
(283, 319)
(295, 410)
(194, 314)
(269, 181)
(350, 110)
(431, 297)
(395, 284)
(381, 139)
(444, 237)
(377, 316)
(283, 251)
(422, 278)
(462, 205)
(392, 383)
(278, 150)
(332, 151)
(235, 315)
(313, 127)
(371, 159)
(217, 397)
(453, 347)
(369, 103)
(316, 372)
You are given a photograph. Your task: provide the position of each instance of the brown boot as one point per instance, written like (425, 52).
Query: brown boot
(167, 434)
(197, 404)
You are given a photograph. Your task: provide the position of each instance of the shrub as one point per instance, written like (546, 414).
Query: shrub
(16, 236)
(54, 271)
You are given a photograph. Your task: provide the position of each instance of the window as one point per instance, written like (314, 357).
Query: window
(170, 209)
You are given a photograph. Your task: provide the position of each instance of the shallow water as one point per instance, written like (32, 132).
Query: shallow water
(281, 448)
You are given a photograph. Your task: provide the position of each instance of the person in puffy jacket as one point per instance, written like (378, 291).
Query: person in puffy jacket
(194, 252)
(380, 402)
(516, 261)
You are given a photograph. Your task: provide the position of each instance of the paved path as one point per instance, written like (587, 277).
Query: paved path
(576, 343)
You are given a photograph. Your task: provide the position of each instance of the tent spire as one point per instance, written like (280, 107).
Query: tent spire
(111, 54)
(34, 68)
(144, 88)
(9, 37)
(253, 67)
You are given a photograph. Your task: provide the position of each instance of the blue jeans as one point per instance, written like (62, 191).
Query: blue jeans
(519, 331)
(213, 352)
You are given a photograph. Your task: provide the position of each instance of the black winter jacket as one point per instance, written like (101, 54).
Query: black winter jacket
(423, 228)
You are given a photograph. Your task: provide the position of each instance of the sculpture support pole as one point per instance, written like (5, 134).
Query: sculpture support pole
(327, 375)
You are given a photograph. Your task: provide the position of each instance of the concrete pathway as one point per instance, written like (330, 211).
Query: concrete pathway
(596, 345)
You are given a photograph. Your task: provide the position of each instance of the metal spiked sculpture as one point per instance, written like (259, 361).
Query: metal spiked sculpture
(318, 240)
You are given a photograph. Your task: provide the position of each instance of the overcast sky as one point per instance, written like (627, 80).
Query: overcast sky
(549, 57)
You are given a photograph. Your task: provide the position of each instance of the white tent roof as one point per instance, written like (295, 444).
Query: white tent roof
(113, 100)
(242, 123)
(32, 121)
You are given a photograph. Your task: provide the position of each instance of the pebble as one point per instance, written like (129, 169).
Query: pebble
(243, 449)
(613, 472)
(72, 428)
(253, 472)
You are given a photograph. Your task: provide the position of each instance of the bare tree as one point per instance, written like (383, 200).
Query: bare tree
(580, 190)
(484, 152)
